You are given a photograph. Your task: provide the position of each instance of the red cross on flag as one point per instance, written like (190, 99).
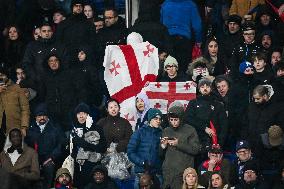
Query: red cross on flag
(162, 94)
(127, 69)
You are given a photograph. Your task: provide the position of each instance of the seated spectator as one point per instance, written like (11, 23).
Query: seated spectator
(275, 57)
(47, 139)
(18, 158)
(116, 129)
(244, 155)
(89, 12)
(171, 72)
(252, 178)
(215, 162)
(142, 106)
(148, 182)
(63, 179)
(180, 145)
(14, 106)
(36, 33)
(278, 84)
(101, 180)
(58, 16)
(163, 54)
(99, 23)
(271, 153)
(89, 144)
(190, 179)
(217, 63)
(267, 41)
(218, 181)
(143, 147)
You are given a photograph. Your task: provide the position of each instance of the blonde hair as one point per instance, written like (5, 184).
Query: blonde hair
(187, 171)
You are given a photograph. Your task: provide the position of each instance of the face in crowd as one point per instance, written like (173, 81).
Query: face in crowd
(110, 18)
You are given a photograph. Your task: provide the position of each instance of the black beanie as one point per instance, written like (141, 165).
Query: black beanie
(74, 2)
(82, 107)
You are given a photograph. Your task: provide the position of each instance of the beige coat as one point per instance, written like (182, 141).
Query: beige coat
(16, 106)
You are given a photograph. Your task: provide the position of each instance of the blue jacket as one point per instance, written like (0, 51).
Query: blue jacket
(179, 16)
(144, 146)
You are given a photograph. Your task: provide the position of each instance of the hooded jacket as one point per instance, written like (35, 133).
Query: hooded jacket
(142, 116)
(106, 184)
(26, 164)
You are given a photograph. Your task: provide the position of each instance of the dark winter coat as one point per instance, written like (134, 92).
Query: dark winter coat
(181, 77)
(117, 130)
(144, 146)
(180, 157)
(265, 77)
(260, 118)
(259, 184)
(36, 53)
(200, 112)
(63, 92)
(48, 144)
(74, 31)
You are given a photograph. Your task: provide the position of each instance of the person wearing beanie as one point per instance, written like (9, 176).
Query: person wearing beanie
(171, 73)
(116, 129)
(232, 35)
(180, 145)
(143, 147)
(252, 178)
(100, 179)
(89, 143)
(47, 139)
(190, 179)
(63, 179)
(271, 152)
(14, 105)
(18, 158)
(207, 116)
(244, 156)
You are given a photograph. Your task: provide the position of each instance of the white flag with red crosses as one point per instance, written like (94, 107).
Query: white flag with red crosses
(127, 69)
(163, 94)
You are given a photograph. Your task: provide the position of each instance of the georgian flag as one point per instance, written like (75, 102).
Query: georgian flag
(127, 69)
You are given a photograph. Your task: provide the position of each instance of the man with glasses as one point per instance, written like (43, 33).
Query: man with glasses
(245, 50)
(244, 154)
(171, 73)
(180, 144)
(143, 147)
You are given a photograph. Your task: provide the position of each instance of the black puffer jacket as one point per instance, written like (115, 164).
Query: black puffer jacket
(200, 112)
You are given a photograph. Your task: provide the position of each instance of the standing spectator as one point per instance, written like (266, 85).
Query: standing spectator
(245, 50)
(183, 21)
(14, 49)
(18, 158)
(63, 179)
(47, 139)
(37, 51)
(101, 180)
(172, 73)
(14, 105)
(190, 179)
(203, 110)
(278, 84)
(280, 183)
(232, 35)
(198, 69)
(264, 19)
(89, 143)
(143, 147)
(116, 129)
(90, 12)
(36, 33)
(142, 105)
(62, 91)
(217, 62)
(180, 144)
(58, 16)
(267, 41)
(75, 30)
(276, 54)
(244, 8)
(113, 33)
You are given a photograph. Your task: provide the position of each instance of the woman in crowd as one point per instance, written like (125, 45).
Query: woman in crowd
(190, 179)
(142, 104)
(117, 130)
(218, 181)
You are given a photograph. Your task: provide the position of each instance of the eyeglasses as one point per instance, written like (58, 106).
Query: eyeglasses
(249, 33)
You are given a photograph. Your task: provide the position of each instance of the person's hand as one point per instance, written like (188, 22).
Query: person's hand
(281, 9)
(18, 81)
(211, 164)
(49, 160)
(24, 132)
(164, 141)
(209, 131)
(173, 142)
(3, 87)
